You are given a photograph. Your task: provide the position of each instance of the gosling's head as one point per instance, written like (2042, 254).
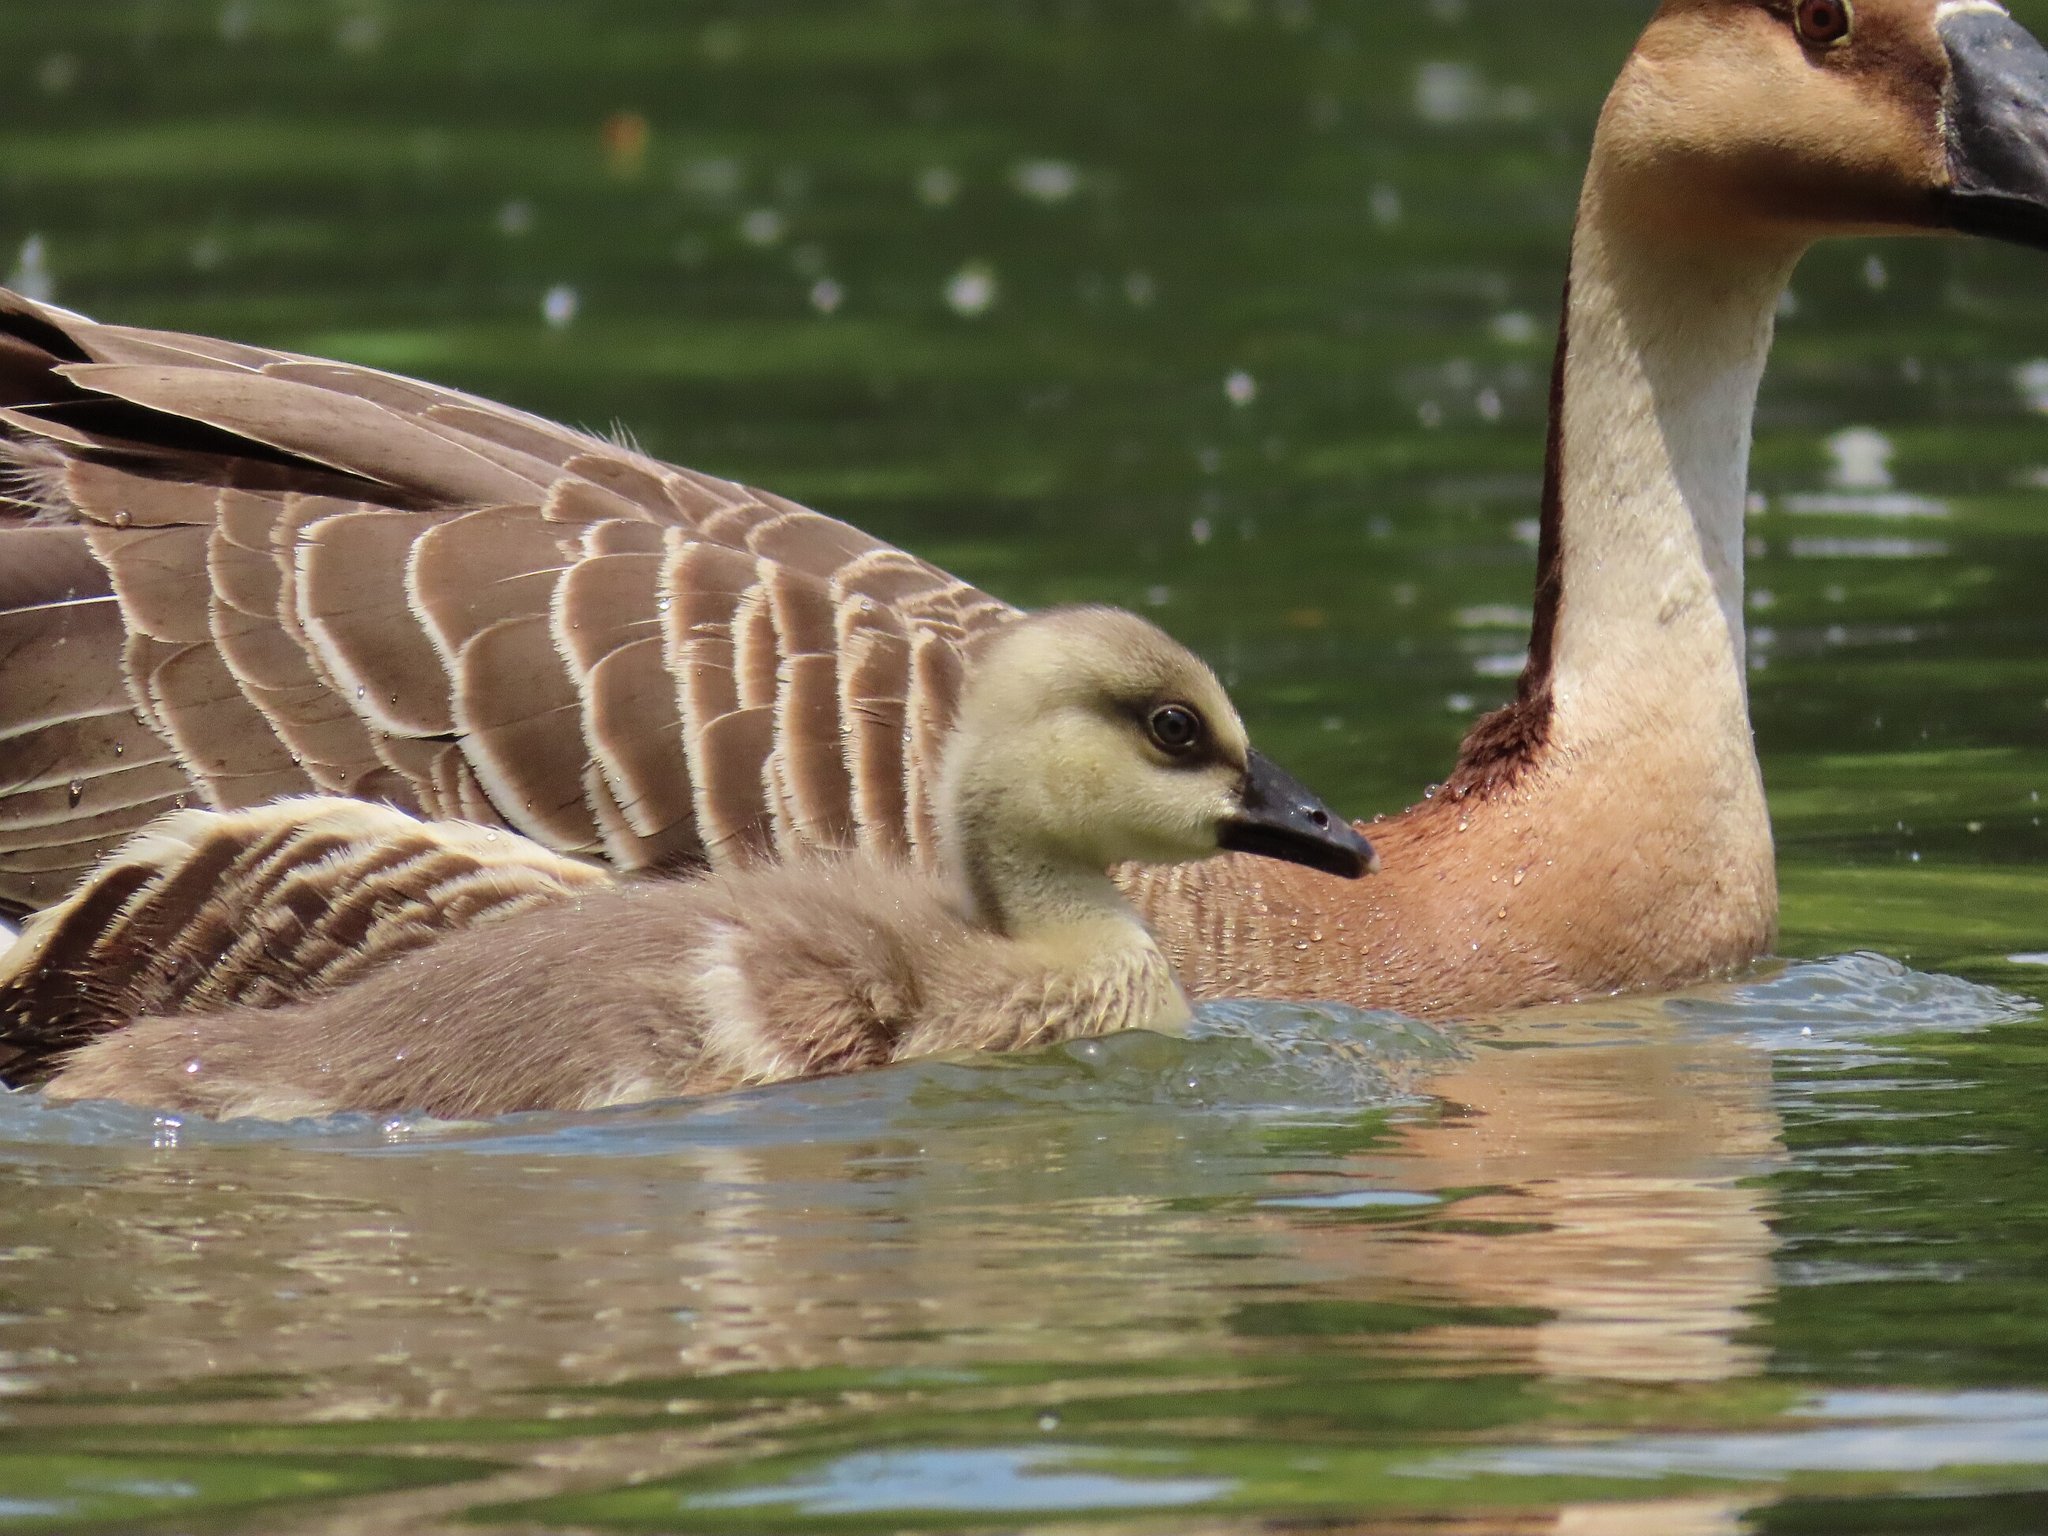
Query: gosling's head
(1088, 737)
(1749, 119)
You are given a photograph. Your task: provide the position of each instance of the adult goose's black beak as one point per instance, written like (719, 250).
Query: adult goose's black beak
(1280, 819)
(1996, 124)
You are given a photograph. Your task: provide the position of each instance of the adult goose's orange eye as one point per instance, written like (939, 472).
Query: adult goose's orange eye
(1825, 22)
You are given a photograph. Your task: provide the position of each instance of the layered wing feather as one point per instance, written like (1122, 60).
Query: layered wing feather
(205, 910)
(229, 575)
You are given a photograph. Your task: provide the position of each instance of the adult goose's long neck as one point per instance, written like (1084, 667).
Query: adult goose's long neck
(1608, 827)
(1638, 628)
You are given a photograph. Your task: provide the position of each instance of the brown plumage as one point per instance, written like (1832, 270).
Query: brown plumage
(230, 574)
(1086, 738)
(207, 910)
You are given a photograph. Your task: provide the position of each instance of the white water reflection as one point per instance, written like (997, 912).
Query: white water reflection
(1921, 1432)
(980, 1480)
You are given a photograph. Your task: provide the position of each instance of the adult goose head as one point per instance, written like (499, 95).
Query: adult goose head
(275, 575)
(1086, 738)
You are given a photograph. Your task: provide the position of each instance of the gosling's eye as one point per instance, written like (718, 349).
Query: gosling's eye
(1175, 728)
(1825, 23)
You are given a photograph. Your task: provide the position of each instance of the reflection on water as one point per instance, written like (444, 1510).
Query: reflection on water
(1162, 1263)
(1236, 311)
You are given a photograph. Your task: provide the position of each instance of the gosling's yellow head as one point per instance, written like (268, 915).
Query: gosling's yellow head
(1749, 119)
(1089, 737)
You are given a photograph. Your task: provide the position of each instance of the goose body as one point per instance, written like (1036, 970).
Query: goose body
(1086, 738)
(236, 575)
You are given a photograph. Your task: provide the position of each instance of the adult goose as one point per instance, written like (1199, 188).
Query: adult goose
(230, 575)
(1086, 738)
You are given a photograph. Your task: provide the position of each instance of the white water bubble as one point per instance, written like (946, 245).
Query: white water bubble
(1240, 388)
(972, 290)
(1861, 459)
(1515, 328)
(1449, 92)
(762, 227)
(558, 306)
(359, 33)
(1045, 181)
(937, 186)
(31, 277)
(57, 73)
(2031, 380)
(711, 177)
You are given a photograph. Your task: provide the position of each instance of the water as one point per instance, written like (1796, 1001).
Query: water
(1235, 311)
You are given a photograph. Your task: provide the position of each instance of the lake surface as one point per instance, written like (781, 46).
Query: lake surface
(1236, 311)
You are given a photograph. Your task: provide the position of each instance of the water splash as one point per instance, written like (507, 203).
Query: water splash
(1241, 1057)
(1841, 1002)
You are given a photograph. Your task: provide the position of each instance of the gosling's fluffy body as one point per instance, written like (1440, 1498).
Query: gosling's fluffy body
(649, 991)
(669, 988)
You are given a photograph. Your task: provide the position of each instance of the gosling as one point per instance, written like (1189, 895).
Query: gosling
(1086, 738)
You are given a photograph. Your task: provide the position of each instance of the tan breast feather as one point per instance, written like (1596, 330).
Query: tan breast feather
(229, 575)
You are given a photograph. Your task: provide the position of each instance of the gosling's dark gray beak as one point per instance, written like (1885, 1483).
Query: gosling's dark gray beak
(1280, 819)
(1997, 126)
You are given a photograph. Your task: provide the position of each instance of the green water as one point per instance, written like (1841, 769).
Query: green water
(1235, 311)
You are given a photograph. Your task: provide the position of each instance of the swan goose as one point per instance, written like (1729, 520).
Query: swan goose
(231, 574)
(1086, 738)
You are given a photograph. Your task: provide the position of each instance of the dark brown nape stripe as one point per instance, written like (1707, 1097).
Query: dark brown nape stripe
(1505, 743)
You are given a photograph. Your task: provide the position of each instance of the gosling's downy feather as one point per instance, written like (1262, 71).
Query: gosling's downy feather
(653, 990)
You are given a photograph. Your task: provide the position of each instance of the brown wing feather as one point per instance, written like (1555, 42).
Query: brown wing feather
(809, 761)
(343, 430)
(354, 606)
(635, 729)
(206, 909)
(481, 569)
(262, 573)
(267, 656)
(874, 681)
(607, 624)
(520, 722)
